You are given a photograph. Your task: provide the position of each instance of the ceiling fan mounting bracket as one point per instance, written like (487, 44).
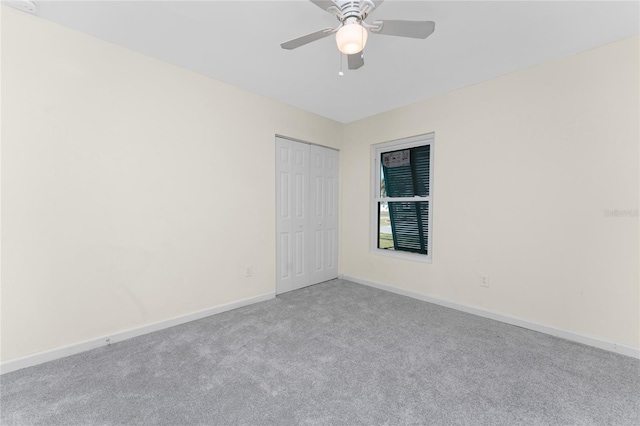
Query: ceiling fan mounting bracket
(375, 26)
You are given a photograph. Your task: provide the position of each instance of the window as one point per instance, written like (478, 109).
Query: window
(402, 198)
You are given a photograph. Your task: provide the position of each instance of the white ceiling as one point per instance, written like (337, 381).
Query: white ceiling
(238, 42)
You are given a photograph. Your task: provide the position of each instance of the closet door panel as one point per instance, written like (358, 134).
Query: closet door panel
(284, 215)
(307, 214)
(331, 214)
(317, 218)
(300, 215)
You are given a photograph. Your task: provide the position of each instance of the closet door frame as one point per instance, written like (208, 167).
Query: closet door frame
(289, 223)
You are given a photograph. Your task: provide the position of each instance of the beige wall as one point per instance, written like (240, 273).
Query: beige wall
(525, 166)
(132, 190)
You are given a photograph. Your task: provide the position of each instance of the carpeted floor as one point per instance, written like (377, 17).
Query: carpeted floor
(334, 353)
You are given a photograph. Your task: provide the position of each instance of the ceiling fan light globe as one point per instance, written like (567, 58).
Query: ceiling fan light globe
(351, 38)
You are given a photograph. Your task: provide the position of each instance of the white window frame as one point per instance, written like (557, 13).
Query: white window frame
(376, 152)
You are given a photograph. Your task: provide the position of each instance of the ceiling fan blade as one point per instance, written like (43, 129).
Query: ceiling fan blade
(413, 29)
(306, 39)
(355, 61)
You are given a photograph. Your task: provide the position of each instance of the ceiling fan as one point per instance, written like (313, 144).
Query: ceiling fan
(352, 34)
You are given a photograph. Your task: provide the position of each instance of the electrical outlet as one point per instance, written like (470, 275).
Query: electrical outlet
(484, 281)
(248, 271)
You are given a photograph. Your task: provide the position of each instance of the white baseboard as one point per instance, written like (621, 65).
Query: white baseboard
(558, 332)
(64, 351)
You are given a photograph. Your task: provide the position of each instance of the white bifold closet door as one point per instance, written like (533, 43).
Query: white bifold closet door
(306, 214)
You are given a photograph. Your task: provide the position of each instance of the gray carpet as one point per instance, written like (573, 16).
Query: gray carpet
(334, 353)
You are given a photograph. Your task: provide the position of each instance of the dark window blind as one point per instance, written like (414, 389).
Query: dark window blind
(406, 174)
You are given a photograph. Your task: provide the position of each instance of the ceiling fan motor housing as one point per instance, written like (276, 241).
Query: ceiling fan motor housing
(354, 11)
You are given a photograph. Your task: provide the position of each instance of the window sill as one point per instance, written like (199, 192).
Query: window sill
(401, 255)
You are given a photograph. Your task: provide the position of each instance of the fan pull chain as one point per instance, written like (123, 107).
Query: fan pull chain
(340, 73)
